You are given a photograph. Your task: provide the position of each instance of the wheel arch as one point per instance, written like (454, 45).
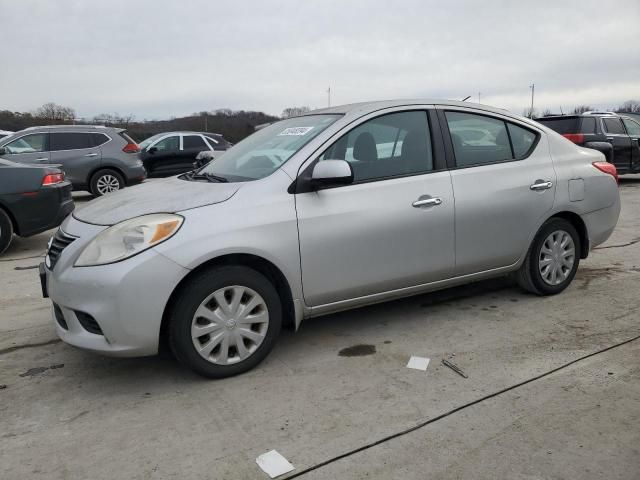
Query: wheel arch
(12, 219)
(577, 222)
(105, 167)
(260, 264)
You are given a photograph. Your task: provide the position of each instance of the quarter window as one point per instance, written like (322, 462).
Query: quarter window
(28, 144)
(387, 146)
(521, 140)
(613, 125)
(99, 139)
(193, 142)
(70, 141)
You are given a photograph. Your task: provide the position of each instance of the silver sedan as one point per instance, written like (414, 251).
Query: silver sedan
(332, 210)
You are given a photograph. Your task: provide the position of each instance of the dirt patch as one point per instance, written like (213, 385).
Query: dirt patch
(357, 351)
(588, 274)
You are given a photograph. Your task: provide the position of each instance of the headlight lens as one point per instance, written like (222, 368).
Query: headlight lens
(129, 238)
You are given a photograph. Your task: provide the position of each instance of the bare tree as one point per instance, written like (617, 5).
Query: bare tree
(54, 113)
(527, 112)
(630, 106)
(581, 109)
(546, 112)
(294, 111)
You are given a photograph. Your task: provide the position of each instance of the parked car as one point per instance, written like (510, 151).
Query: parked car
(171, 153)
(616, 136)
(4, 133)
(215, 261)
(94, 158)
(32, 199)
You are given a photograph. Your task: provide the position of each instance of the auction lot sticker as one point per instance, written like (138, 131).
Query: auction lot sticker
(296, 131)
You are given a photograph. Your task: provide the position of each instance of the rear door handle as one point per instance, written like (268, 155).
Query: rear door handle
(427, 202)
(541, 185)
(42, 159)
(91, 155)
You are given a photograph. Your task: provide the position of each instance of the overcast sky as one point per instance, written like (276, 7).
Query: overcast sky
(162, 58)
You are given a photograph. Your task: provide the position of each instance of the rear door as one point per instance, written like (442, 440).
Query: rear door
(617, 136)
(633, 129)
(503, 187)
(30, 148)
(76, 152)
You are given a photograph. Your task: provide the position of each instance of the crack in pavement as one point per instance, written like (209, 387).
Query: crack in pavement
(458, 409)
(632, 242)
(29, 345)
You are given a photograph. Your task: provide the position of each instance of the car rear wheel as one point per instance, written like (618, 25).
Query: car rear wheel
(225, 321)
(552, 260)
(106, 181)
(6, 231)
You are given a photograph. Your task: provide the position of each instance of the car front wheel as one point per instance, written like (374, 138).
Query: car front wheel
(552, 260)
(225, 321)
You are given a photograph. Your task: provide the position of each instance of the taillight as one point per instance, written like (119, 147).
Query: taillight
(52, 179)
(131, 148)
(607, 167)
(574, 137)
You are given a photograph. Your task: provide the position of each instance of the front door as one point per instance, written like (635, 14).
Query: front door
(633, 129)
(504, 185)
(617, 136)
(160, 158)
(30, 148)
(392, 228)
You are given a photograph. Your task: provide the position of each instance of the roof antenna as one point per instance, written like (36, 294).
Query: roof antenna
(466, 98)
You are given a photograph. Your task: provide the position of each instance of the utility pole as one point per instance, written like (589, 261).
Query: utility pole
(533, 89)
(206, 117)
(478, 97)
(329, 96)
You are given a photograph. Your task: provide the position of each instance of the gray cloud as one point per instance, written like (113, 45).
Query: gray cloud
(163, 58)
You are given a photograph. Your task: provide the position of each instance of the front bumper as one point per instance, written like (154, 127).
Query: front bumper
(126, 299)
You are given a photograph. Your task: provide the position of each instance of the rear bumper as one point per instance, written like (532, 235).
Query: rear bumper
(601, 223)
(43, 210)
(136, 174)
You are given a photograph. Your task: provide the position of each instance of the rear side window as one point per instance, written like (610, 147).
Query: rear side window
(522, 140)
(613, 125)
(492, 146)
(99, 139)
(70, 141)
(561, 125)
(193, 142)
(588, 125)
(633, 127)
(127, 138)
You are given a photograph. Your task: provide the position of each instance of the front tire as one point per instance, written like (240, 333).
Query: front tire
(105, 181)
(6, 231)
(225, 321)
(552, 260)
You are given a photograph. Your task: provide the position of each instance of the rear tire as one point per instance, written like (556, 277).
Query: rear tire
(225, 321)
(6, 231)
(105, 181)
(552, 259)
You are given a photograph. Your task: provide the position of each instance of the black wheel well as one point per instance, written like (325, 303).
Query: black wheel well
(12, 219)
(580, 227)
(255, 262)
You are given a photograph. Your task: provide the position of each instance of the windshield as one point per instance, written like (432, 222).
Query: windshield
(262, 153)
(145, 143)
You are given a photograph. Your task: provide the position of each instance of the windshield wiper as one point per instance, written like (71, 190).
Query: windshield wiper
(206, 176)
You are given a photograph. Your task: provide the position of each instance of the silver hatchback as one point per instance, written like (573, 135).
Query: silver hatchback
(336, 209)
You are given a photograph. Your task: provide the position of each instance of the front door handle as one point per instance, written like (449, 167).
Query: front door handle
(541, 185)
(91, 155)
(427, 202)
(42, 159)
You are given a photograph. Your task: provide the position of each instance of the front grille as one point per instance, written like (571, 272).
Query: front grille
(59, 242)
(88, 323)
(59, 317)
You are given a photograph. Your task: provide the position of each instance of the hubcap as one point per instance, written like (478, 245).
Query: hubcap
(557, 257)
(229, 325)
(107, 184)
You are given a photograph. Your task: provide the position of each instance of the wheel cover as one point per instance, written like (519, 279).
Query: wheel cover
(557, 257)
(230, 325)
(107, 183)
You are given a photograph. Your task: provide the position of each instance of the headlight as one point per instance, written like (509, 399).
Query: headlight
(129, 238)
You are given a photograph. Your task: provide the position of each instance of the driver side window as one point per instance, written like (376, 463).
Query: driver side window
(391, 145)
(27, 144)
(169, 144)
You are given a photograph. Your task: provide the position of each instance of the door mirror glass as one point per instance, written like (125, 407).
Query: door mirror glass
(330, 173)
(3, 151)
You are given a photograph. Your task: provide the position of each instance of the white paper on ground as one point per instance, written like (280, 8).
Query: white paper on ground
(418, 363)
(273, 464)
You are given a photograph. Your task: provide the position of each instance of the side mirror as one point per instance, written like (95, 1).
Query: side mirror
(331, 173)
(152, 150)
(3, 151)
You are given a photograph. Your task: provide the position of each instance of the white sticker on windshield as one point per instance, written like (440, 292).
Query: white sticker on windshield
(296, 131)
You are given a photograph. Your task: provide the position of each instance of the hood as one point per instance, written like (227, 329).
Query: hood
(169, 195)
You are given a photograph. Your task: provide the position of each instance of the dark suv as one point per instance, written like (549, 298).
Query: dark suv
(94, 158)
(615, 135)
